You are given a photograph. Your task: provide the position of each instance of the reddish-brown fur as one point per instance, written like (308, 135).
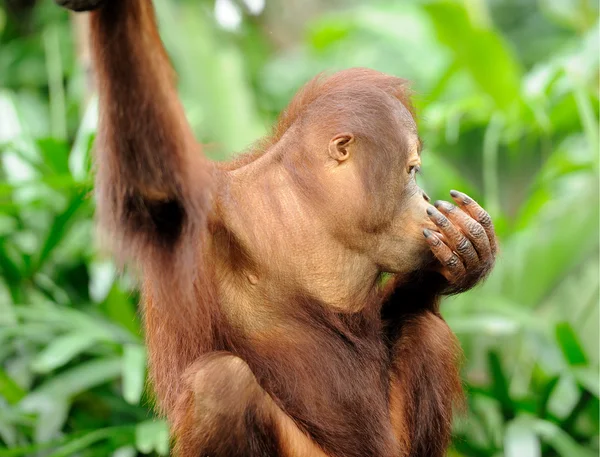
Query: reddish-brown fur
(267, 328)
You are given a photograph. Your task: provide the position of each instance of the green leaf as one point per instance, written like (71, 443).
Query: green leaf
(125, 451)
(120, 309)
(11, 271)
(571, 240)
(55, 153)
(216, 82)
(26, 451)
(152, 436)
(78, 379)
(564, 397)
(570, 345)
(11, 124)
(62, 350)
(479, 49)
(330, 32)
(80, 157)
(84, 442)
(7, 312)
(562, 443)
(500, 385)
(588, 378)
(521, 440)
(9, 389)
(102, 278)
(52, 414)
(60, 225)
(545, 394)
(134, 372)
(8, 434)
(493, 325)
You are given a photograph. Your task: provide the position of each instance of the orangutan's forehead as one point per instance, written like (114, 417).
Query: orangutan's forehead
(408, 128)
(405, 117)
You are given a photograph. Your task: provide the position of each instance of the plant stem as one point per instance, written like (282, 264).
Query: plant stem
(491, 143)
(58, 124)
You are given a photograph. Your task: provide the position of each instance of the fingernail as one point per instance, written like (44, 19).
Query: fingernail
(430, 210)
(448, 207)
(464, 197)
(427, 233)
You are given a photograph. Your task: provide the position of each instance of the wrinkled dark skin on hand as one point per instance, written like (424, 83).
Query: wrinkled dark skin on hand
(466, 244)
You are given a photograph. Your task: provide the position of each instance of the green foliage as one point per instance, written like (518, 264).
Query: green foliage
(508, 96)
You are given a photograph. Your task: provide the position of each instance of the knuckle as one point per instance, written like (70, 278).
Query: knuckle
(476, 230)
(434, 241)
(484, 218)
(448, 207)
(452, 261)
(463, 245)
(442, 221)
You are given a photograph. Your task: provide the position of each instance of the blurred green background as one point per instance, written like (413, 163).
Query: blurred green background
(507, 92)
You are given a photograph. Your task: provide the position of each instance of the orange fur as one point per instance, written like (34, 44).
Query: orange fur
(266, 329)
